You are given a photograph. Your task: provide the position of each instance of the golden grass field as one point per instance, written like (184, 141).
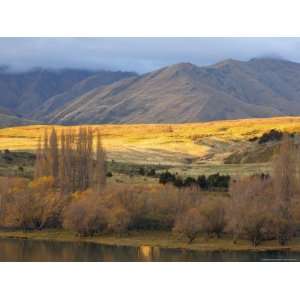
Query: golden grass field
(187, 145)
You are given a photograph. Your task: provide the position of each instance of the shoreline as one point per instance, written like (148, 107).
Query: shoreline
(152, 239)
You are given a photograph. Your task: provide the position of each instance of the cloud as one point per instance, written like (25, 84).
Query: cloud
(138, 54)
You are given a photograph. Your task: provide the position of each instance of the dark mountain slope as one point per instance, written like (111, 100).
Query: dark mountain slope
(25, 96)
(187, 93)
(8, 120)
(24, 92)
(57, 102)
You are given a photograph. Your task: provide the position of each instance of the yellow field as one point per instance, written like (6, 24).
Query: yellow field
(169, 144)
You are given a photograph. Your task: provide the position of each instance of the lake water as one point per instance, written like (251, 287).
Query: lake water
(30, 250)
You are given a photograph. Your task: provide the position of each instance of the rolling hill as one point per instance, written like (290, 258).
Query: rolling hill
(187, 93)
(8, 120)
(189, 145)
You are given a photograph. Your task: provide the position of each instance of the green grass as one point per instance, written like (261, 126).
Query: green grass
(154, 239)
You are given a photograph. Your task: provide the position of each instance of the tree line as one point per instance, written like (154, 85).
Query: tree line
(71, 160)
(210, 182)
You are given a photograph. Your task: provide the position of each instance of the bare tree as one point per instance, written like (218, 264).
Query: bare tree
(250, 208)
(100, 165)
(284, 175)
(38, 169)
(53, 155)
(188, 224)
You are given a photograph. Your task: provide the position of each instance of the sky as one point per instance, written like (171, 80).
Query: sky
(138, 54)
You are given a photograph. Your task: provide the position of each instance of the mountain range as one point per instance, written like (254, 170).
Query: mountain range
(231, 89)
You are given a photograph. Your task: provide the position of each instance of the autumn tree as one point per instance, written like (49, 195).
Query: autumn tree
(250, 208)
(285, 176)
(188, 224)
(100, 165)
(87, 215)
(212, 217)
(72, 161)
(53, 155)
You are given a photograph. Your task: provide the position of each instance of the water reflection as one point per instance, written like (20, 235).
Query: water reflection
(29, 250)
(148, 253)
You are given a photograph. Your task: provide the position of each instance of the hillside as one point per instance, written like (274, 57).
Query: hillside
(57, 102)
(190, 145)
(180, 93)
(34, 93)
(7, 119)
(187, 93)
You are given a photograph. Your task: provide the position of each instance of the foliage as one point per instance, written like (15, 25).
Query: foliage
(250, 208)
(188, 224)
(272, 135)
(212, 212)
(30, 205)
(71, 161)
(211, 182)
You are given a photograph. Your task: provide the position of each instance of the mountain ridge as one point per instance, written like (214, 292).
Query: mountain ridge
(179, 93)
(187, 93)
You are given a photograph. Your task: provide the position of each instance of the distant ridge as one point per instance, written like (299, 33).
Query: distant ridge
(231, 89)
(180, 93)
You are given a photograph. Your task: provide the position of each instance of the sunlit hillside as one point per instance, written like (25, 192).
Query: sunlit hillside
(166, 144)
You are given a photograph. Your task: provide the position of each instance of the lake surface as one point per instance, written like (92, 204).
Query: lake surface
(31, 250)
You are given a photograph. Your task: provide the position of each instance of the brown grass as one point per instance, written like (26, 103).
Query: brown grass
(169, 143)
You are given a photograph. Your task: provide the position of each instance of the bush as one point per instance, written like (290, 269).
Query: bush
(212, 182)
(151, 173)
(272, 135)
(86, 216)
(166, 177)
(118, 220)
(33, 205)
(201, 181)
(251, 209)
(212, 212)
(218, 181)
(188, 224)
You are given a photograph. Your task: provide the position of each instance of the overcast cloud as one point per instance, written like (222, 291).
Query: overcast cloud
(138, 54)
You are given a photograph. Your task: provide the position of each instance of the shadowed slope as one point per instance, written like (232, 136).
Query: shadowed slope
(187, 93)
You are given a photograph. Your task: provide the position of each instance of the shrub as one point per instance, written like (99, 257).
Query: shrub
(118, 220)
(151, 173)
(212, 212)
(272, 135)
(251, 212)
(166, 177)
(201, 181)
(33, 205)
(188, 224)
(86, 216)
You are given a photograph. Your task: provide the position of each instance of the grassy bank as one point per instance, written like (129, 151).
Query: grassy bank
(151, 238)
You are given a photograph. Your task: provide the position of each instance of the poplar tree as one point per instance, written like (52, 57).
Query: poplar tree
(71, 161)
(284, 175)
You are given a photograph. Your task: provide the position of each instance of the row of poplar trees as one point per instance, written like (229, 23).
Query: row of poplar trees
(71, 160)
